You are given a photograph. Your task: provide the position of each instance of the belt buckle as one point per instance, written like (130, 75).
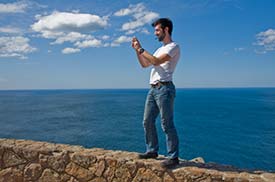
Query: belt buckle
(157, 85)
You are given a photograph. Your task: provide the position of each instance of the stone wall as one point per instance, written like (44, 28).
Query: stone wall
(24, 160)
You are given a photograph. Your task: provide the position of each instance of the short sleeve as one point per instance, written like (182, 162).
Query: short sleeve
(171, 49)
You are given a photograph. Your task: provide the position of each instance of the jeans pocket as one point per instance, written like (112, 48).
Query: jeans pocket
(166, 90)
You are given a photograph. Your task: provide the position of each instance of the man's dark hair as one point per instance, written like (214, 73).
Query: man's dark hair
(164, 22)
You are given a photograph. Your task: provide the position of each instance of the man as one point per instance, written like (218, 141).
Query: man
(160, 98)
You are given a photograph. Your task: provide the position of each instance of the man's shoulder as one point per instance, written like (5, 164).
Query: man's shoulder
(173, 44)
(172, 49)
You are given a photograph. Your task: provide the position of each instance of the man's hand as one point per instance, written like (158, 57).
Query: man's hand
(135, 44)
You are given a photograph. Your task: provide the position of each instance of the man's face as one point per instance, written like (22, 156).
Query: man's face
(159, 32)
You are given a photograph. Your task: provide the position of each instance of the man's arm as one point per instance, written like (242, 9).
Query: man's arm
(155, 60)
(145, 58)
(142, 60)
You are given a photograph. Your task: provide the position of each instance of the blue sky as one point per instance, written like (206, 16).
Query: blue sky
(72, 44)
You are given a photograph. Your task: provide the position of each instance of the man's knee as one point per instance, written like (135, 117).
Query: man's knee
(167, 127)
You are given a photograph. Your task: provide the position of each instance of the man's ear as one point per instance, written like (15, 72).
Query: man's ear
(166, 29)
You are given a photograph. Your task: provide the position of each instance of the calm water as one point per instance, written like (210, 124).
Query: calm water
(227, 126)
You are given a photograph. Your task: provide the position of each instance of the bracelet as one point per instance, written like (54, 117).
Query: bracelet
(140, 50)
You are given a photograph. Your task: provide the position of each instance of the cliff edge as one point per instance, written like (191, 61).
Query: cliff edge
(25, 160)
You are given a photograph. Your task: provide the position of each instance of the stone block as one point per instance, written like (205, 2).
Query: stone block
(146, 175)
(11, 159)
(11, 175)
(80, 173)
(32, 172)
(83, 159)
(58, 161)
(49, 175)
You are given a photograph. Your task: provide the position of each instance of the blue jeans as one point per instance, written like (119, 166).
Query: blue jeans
(160, 100)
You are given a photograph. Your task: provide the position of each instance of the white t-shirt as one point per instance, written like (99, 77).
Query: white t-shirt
(164, 71)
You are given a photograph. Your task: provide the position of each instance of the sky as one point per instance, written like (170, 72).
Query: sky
(72, 44)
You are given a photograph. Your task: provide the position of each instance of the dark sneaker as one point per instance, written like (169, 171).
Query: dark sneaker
(170, 162)
(148, 155)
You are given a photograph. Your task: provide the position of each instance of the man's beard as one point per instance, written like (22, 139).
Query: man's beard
(161, 37)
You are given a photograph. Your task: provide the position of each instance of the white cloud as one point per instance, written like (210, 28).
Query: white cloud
(105, 37)
(144, 19)
(260, 51)
(70, 37)
(84, 30)
(89, 43)
(141, 16)
(132, 9)
(15, 47)
(71, 27)
(70, 50)
(10, 30)
(114, 44)
(266, 39)
(142, 30)
(17, 7)
(129, 32)
(132, 25)
(145, 31)
(122, 39)
(239, 49)
(69, 22)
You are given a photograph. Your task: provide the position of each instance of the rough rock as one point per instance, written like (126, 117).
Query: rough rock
(25, 160)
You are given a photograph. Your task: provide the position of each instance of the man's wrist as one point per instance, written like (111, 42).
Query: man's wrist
(140, 50)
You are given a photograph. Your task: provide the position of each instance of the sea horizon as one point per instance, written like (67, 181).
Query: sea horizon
(137, 88)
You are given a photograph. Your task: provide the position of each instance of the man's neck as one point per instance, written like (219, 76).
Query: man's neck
(167, 40)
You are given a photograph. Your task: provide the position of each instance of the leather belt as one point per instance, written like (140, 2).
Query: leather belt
(158, 84)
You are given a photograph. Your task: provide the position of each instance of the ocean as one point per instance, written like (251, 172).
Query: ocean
(230, 126)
